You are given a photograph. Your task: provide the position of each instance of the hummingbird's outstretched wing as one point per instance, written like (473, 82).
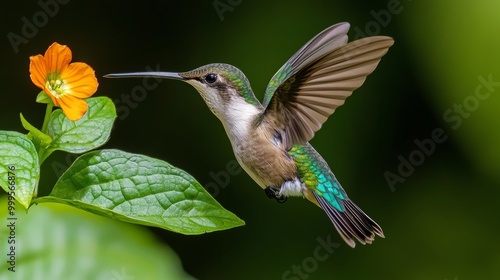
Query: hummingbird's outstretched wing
(318, 78)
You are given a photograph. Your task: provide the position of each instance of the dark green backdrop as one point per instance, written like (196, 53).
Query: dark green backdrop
(438, 211)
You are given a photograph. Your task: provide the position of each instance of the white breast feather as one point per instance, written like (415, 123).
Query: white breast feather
(238, 118)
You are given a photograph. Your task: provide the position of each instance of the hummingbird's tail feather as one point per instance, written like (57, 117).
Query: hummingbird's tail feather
(352, 223)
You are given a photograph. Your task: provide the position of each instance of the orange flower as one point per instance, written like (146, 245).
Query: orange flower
(66, 83)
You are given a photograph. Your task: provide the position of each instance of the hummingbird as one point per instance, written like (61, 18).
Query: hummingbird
(270, 140)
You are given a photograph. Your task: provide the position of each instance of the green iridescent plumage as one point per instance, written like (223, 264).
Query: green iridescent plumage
(316, 174)
(281, 75)
(239, 80)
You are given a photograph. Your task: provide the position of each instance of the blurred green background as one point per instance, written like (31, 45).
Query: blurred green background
(440, 217)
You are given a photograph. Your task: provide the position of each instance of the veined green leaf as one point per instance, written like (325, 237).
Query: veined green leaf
(143, 190)
(19, 167)
(89, 132)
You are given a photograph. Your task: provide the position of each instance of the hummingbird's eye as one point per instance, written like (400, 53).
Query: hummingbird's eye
(210, 78)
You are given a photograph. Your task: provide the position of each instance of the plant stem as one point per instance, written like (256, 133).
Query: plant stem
(48, 111)
(46, 119)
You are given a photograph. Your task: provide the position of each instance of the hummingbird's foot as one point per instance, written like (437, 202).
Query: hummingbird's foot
(274, 192)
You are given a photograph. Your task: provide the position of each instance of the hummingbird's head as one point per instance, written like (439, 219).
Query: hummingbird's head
(223, 87)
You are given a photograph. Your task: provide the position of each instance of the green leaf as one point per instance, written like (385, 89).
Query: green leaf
(43, 98)
(89, 132)
(38, 137)
(55, 241)
(143, 190)
(19, 167)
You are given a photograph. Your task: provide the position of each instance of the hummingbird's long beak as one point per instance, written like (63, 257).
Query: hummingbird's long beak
(163, 75)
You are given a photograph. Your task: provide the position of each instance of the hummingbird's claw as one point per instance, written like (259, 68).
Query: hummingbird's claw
(274, 192)
(281, 198)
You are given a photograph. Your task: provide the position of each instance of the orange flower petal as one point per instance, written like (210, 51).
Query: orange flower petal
(38, 74)
(57, 57)
(73, 107)
(38, 70)
(80, 78)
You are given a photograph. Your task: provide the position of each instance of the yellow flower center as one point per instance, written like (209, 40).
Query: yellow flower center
(56, 85)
